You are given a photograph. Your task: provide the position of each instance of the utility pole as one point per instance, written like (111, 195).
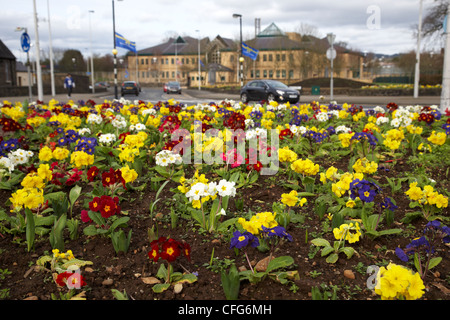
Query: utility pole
(417, 71)
(38, 56)
(445, 94)
(52, 70)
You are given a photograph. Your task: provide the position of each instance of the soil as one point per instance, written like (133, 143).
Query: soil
(126, 271)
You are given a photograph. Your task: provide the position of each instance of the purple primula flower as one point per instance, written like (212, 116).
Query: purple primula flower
(401, 254)
(241, 240)
(277, 231)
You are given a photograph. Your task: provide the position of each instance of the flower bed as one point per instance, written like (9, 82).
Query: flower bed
(134, 200)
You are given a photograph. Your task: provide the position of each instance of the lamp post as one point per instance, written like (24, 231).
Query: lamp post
(90, 49)
(331, 55)
(52, 72)
(199, 74)
(445, 93)
(417, 69)
(38, 56)
(114, 51)
(241, 59)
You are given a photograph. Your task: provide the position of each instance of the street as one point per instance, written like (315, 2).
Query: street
(194, 96)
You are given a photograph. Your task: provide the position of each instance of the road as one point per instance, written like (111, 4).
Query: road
(194, 96)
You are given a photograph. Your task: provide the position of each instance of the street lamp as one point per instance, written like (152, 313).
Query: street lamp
(114, 51)
(241, 59)
(199, 74)
(331, 54)
(90, 49)
(38, 56)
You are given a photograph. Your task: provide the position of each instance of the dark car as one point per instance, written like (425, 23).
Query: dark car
(269, 90)
(173, 87)
(130, 87)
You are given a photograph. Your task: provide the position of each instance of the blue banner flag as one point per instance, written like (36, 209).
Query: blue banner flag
(249, 51)
(125, 43)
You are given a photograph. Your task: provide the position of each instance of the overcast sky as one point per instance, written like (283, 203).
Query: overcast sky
(380, 26)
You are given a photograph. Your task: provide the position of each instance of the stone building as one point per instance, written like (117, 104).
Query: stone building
(288, 57)
(7, 67)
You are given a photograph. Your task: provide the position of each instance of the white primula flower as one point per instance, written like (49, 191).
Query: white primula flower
(322, 116)
(197, 191)
(395, 122)
(107, 138)
(226, 188)
(166, 157)
(382, 120)
(94, 118)
(6, 163)
(84, 131)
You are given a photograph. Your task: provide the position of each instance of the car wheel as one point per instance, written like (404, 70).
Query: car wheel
(270, 97)
(244, 98)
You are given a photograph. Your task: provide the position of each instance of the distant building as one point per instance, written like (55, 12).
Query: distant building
(7, 66)
(288, 57)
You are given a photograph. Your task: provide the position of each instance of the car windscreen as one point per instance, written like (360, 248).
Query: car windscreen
(278, 85)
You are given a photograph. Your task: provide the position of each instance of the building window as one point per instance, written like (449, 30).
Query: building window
(270, 73)
(278, 57)
(278, 73)
(167, 74)
(270, 57)
(291, 74)
(265, 73)
(167, 60)
(143, 74)
(146, 61)
(264, 57)
(283, 73)
(257, 74)
(162, 61)
(283, 57)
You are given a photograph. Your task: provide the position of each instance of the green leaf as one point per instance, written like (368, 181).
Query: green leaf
(332, 258)
(279, 262)
(30, 229)
(434, 262)
(160, 287)
(74, 194)
(320, 242)
(187, 278)
(349, 251)
(326, 251)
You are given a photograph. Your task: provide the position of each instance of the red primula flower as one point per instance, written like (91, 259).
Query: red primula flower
(170, 250)
(92, 173)
(85, 216)
(94, 205)
(72, 280)
(187, 250)
(108, 206)
(108, 178)
(153, 254)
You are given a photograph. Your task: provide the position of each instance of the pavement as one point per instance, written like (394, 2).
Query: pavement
(205, 95)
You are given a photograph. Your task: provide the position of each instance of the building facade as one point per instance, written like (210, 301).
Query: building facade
(288, 57)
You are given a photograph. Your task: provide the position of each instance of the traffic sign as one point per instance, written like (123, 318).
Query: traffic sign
(331, 54)
(25, 42)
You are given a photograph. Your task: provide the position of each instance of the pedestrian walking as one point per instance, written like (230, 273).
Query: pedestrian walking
(69, 84)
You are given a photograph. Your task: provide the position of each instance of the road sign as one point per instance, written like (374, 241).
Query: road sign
(331, 54)
(25, 42)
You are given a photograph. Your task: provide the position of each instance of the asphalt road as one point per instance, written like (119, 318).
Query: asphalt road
(194, 96)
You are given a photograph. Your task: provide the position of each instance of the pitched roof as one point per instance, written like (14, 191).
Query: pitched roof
(272, 38)
(180, 45)
(5, 53)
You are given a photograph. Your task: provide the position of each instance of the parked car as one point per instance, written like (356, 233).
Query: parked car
(173, 87)
(130, 87)
(103, 84)
(269, 90)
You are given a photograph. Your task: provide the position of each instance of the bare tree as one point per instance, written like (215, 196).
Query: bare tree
(432, 26)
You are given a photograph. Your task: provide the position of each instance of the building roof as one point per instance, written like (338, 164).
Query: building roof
(5, 53)
(272, 38)
(180, 45)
